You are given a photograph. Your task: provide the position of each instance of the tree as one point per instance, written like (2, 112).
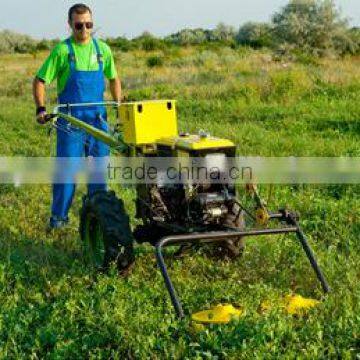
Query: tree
(148, 41)
(223, 33)
(13, 42)
(256, 35)
(309, 25)
(188, 37)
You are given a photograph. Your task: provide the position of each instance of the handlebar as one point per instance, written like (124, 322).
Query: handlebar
(56, 112)
(69, 106)
(49, 117)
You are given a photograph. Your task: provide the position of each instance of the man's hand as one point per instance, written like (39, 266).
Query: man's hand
(115, 89)
(116, 108)
(39, 97)
(41, 115)
(41, 118)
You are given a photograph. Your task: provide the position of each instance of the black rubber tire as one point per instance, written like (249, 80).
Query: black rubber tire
(230, 249)
(104, 222)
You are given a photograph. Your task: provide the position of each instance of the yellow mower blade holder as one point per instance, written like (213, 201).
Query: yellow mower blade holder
(297, 305)
(292, 304)
(219, 314)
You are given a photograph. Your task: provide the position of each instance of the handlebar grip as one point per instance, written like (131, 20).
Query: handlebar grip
(49, 117)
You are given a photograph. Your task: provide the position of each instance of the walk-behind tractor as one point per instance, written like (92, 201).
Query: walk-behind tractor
(182, 215)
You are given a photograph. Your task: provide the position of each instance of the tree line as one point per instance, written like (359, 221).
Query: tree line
(314, 27)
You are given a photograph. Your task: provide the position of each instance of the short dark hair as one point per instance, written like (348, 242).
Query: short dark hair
(78, 9)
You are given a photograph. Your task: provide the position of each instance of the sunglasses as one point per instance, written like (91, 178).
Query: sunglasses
(80, 26)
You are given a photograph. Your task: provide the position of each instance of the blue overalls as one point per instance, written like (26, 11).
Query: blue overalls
(81, 87)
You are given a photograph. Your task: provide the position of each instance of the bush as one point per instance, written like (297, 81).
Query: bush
(5, 46)
(222, 33)
(154, 61)
(12, 42)
(311, 26)
(349, 42)
(46, 44)
(148, 42)
(188, 37)
(121, 43)
(256, 35)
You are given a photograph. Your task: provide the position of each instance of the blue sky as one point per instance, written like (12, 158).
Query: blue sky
(47, 18)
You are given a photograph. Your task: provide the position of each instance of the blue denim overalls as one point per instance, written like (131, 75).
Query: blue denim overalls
(81, 87)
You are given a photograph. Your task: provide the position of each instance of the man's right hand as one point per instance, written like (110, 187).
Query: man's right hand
(41, 115)
(41, 118)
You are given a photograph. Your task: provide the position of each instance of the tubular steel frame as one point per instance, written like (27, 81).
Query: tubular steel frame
(219, 236)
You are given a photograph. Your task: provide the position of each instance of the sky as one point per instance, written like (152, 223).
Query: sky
(47, 18)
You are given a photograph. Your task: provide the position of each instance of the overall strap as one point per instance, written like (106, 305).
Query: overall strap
(72, 59)
(98, 54)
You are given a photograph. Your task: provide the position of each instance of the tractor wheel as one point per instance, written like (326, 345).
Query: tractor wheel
(230, 249)
(105, 232)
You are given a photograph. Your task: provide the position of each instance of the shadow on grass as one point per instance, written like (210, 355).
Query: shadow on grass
(31, 258)
(351, 127)
(35, 262)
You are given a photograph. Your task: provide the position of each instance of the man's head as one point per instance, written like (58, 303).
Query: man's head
(80, 21)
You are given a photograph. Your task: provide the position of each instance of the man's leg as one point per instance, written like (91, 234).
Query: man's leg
(100, 152)
(70, 148)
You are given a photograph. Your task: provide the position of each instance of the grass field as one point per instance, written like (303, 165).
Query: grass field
(53, 306)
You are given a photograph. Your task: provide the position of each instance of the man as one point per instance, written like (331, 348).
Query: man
(80, 65)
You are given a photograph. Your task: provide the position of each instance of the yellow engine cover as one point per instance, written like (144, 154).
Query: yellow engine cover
(144, 122)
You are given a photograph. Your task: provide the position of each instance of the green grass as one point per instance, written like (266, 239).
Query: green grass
(53, 306)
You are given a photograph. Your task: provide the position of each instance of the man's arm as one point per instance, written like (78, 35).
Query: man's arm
(39, 98)
(47, 73)
(115, 89)
(111, 72)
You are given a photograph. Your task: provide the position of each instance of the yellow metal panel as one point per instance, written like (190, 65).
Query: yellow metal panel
(144, 122)
(195, 142)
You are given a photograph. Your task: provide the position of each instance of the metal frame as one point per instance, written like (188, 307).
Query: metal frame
(68, 106)
(104, 136)
(219, 236)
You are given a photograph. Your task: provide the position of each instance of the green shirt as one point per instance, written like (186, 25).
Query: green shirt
(57, 66)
